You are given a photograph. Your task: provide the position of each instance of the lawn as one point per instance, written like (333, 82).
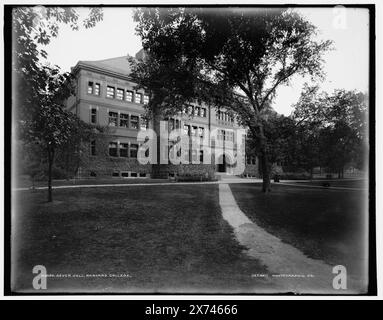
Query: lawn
(25, 182)
(324, 224)
(343, 183)
(166, 238)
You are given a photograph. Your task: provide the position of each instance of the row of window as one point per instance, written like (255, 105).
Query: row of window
(113, 92)
(123, 120)
(173, 124)
(190, 156)
(117, 149)
(251, 160)
(194, 131)
(225, 135)
(126, 174)
(124, 150)
(224, 116)
(195, 111)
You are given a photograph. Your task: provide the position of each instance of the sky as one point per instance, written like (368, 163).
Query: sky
(346, 66)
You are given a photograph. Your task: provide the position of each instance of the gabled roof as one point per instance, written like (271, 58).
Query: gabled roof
(118, 65)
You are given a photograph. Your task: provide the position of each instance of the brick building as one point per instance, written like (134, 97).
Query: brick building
(107, 97)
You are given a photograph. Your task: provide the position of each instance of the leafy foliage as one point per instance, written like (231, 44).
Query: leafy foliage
(333, 128)
(39, 89)
(234, 59)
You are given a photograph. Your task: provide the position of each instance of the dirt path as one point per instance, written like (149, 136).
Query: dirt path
(289, 269)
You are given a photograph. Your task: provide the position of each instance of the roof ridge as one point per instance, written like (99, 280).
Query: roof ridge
(108, 59)
(117, 64)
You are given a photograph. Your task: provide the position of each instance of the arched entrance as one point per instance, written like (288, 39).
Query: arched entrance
(225, 164)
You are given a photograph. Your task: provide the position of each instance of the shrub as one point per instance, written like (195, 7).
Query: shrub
(293, 176)
(193, 178)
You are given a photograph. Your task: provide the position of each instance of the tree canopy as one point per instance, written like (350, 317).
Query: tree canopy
(40, 90)
(234, 58)
(335, 126)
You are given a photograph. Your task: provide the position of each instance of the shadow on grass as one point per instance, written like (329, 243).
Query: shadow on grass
(330, 225)
(167, 239)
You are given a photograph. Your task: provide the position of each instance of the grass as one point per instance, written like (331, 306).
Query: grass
(24, 182)
(325, 224)
(359, 184)
(167, 238)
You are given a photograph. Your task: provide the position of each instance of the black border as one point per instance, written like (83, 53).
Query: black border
(7, 32)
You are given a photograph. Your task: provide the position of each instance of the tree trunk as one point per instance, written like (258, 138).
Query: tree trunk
(265, 173)
(50, 164)
(67, 169)
(264, 162)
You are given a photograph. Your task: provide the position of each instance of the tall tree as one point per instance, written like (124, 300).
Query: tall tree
(236, 58)
(338, 125)
(51, 126)
(40, 90)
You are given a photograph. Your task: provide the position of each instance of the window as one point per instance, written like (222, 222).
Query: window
(203, 112)
(93, 148)
(220, 134)
(194, 131)
(90, 87)
(116, 174)
(113, 149)
(120, 94)
(144, 124)
(251, 160)
(201, 131)
(201, 156)
(146, 99)
(124, 150)
(93, 88)
(194, 155)
(138, 97)
(134, 122)
(110, 92)
(93, 115)
(133, 150)
(171, 124)
(190, 110)
(113, 119)
(97, 89)
(124, 120)
(124, 174)
(178, 123)
(196, 111)
(129, 96)
(186, 129)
